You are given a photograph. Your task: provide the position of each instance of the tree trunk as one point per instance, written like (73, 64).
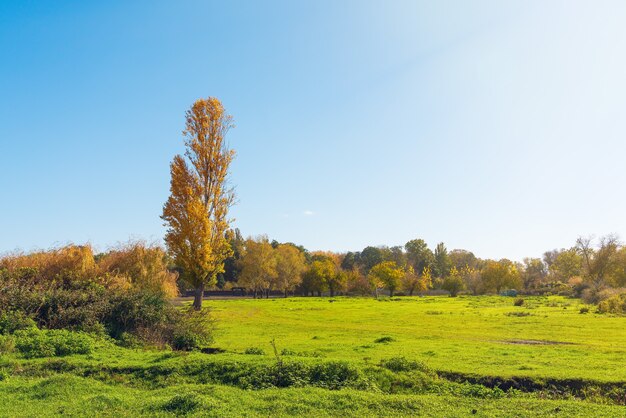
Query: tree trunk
(197, 299)
(319, 293)
(332, 293)
(390, 293)
(411, 292)
(285, 292)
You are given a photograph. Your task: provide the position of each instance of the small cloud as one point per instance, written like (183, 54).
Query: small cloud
(308, 213)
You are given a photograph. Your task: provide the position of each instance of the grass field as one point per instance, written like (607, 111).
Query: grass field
(545, 337)
(450, 357)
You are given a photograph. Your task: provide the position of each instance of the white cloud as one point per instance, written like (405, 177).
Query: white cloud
(308, 213)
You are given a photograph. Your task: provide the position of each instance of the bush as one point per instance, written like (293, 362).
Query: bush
(584, 310)
(613, 305)
(518, 302)
(33, 343)
(192, 330)
(13, 321)
(332, 375)
(254, 351)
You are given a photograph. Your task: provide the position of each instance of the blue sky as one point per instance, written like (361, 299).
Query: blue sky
(493, 126)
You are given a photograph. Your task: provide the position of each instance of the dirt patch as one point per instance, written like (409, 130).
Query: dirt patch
(536, 342)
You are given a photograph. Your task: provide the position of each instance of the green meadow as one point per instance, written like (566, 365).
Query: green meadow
(406, 356)
(487, 335)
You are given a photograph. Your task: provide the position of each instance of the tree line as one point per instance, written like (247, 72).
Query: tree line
(207, 251)
(589, 269)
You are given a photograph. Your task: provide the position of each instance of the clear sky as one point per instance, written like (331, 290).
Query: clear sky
(494, 126)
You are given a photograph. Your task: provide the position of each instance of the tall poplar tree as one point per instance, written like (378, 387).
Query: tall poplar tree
(196, 211)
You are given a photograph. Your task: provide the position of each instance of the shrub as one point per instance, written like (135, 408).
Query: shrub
(255, 351)
(33, 343)
(13, 321)
(333, 375)
(384, 340)
(192, 330)
(584, 310)
(614, 305)
(518, 302)
(48, 343)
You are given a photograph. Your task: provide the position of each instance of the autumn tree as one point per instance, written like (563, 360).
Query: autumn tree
(453, 282)
(413, 282)
(196, 211)
(462, 258)
(472, 279)
(564, 264)
(318, 275)
(387, 274)
(498, 275)
(290, 264)
(258, 265)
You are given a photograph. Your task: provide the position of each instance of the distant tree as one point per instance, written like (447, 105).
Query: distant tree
(359, 283)
(231, 268)
(564, 264)
(258, 265)
(388, 274)
(413, 282)
(462, 258)
(369, 257)
(498, 275)
(318, 275)
(599, 264)
(395, 254)
(290, 264)
(473, 280)
(337, 282)
(442, 260)
(534, 273)
(620, 268)
(426, 278)
(453, 282)
(550, 256)
(349, 260)
(419, 255)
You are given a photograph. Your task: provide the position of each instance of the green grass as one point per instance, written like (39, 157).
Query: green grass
(443, 341)
(465, 334)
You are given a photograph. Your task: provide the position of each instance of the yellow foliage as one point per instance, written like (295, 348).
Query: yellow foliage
(142, 266)
(196, 210)
(75, 259)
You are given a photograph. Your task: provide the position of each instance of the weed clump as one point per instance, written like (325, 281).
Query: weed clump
(256, 351)
(183, 404)
(384, 340)
(518, 302)
(401, 364)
